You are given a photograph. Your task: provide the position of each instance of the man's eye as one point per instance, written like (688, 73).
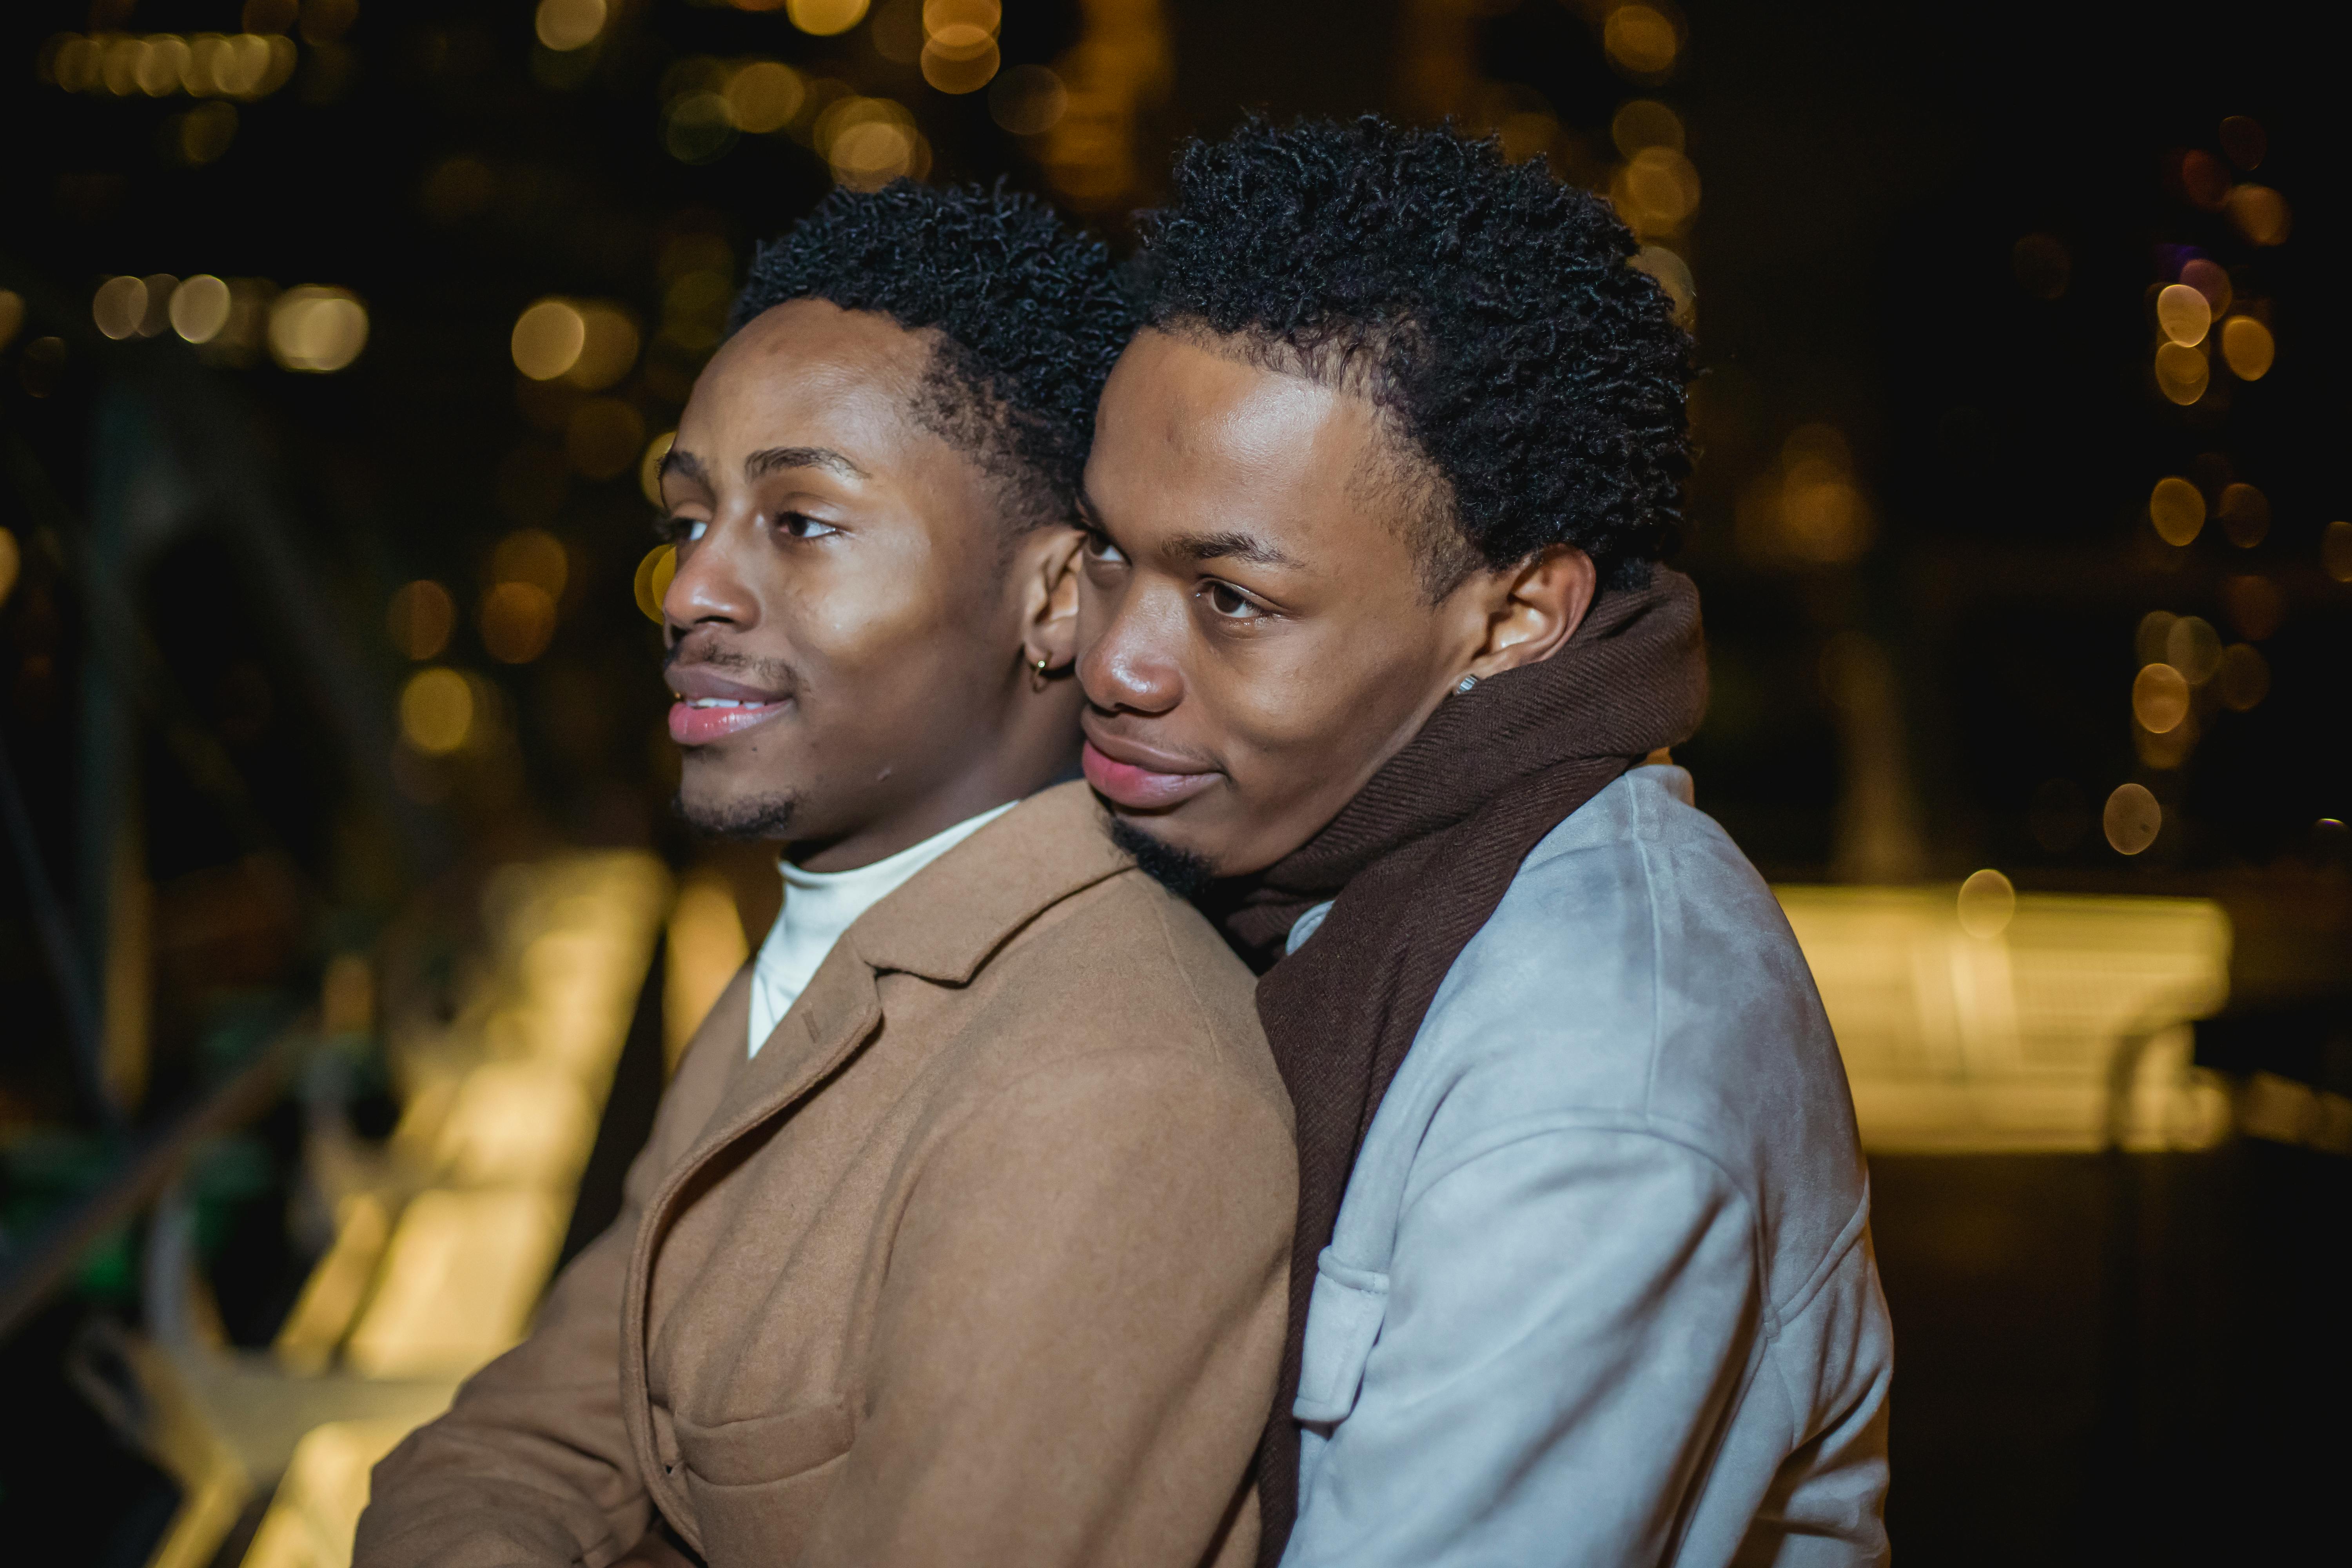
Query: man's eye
(683, 529)
(1099, 547)
(804, 527)
(1229, 602)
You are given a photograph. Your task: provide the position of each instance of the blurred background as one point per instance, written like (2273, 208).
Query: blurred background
(345, 934)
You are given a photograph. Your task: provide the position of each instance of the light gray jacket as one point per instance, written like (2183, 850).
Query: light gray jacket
(1602, 1289)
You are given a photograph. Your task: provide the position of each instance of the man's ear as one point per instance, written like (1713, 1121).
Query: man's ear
(1534, 608)
(1048, 572)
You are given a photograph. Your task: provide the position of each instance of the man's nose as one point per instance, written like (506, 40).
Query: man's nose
(1133, 660)
(711, 586)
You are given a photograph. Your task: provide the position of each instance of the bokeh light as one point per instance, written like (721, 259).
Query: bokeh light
(2160, 698)
(535, 556)
(247, 64)
(649, 466)
(2148, 641)
(2335, 551)
(2247, 348)
(1674, 275)
(2193, 647)
(517, 622)
(200, 308)
(2177, 507)
(764, 96)
(2183, 313)
(2204, 179)
(2260, 214)
(698, 126)
(2245, 515)
(2180, 372)
(316, 329)
(436, 711)
(825, 18)
(1028, 101)
(1656, 191)
(869, 141)
(960, 59)
(1640, 40)
(202, 135)
(421, 617)
(1809, 508)
(959, 53)
(118, 306)
(653, 580)
(608, 347)
(12, 562)
(2210, 278)
(548, 338)
(1643, 122)
(12, 315)
(1986, 903)
(2132, 818)
(567, 25)
(2243, 678)
(161, 287)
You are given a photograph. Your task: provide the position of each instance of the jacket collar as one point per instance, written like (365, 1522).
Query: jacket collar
(944, 923)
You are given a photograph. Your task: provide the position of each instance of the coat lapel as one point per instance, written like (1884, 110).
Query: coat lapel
(942, 925)
(831, 1019)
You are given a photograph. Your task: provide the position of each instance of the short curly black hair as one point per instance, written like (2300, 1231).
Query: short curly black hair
(1031, 316)
(1490, 311)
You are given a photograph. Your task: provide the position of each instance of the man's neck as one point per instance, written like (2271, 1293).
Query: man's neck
(866, 843)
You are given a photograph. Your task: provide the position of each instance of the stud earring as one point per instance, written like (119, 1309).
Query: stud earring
(1039, 669)
(1465, 684)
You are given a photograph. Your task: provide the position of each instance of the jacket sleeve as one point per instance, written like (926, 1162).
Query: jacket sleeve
(1569, 1318)
(532, 1465)
(1076, 1340)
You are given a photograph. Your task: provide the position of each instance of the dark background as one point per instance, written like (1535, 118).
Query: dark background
(2101, 1358)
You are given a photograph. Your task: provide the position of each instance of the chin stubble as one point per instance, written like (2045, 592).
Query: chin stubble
(1181, 871)
(758, 817)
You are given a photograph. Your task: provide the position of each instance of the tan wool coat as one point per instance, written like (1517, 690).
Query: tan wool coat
(980, 1261)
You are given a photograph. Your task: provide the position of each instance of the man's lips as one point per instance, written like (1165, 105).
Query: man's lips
(1140, 787)
(710, 707)
(697, 721)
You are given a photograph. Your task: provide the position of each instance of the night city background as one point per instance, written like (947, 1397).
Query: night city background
(345, 930)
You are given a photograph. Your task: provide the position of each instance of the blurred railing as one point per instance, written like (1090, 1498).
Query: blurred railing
(2058, 1024)
(445, 1236)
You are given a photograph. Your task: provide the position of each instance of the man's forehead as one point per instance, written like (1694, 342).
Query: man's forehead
(785, 385)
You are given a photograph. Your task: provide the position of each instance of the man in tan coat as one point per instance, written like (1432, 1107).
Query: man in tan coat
(962, 1231)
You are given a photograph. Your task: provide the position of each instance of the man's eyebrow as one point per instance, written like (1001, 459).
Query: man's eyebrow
(777, 459)
(1231, 546)
(684, 463)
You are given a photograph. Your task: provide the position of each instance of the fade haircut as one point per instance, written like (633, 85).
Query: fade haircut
(1029, 318)
(1532, 380)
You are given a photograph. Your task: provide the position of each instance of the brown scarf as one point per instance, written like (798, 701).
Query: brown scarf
(1417, 862)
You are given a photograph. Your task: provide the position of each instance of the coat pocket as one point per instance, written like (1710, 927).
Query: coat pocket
(757, 1487)
(1343, 1318)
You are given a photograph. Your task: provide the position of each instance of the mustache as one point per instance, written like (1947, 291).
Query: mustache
(707, 652)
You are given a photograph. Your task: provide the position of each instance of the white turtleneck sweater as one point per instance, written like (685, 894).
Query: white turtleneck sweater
(820, 905)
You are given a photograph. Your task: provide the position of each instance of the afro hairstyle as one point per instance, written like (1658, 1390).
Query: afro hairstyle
(1536, 378)
(1029, 315)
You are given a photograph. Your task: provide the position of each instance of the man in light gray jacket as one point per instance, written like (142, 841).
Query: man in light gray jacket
(1379, 660)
